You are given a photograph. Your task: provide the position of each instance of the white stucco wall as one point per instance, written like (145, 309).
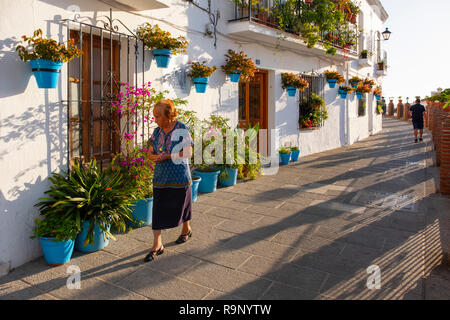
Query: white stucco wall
(33, 122)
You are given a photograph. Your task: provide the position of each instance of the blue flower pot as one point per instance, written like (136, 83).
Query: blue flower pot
(235, 77)
(359, 95)
(195, 184)
(332, 83)
(200, 84)
(295, 155)
(354, 85)
(231, 180)
(101, 240)
(285, 158)
(46, 73)
(142, 213)
(56, 253)
(343, 94)
(208, 184)
(162, 57)
(292, 91)
(378, 97)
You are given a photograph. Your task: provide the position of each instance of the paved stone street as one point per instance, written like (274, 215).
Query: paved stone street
(309, 232)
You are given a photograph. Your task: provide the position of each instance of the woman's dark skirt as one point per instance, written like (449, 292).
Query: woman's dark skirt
(171, 207)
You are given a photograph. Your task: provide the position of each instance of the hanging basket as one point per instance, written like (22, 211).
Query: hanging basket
(200, 84)
(359, 95)
(343, 94)
(378, 97)
(46, 73)
(332, 83)
(292, 91)
(235, 76)
(162, 57)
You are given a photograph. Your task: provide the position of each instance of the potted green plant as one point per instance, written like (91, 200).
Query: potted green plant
(295, 154)
(46, 57)
(57, 232)
(285, 155)
(200, 74)
(161, 43)
(238, 65)
(365, 54)
(333, 78)
(292, 82)
(95, 199)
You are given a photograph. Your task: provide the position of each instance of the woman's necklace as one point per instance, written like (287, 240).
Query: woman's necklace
(171, 126)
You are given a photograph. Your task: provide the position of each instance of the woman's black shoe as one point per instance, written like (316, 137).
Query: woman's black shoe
(152, 254)
(184, 237)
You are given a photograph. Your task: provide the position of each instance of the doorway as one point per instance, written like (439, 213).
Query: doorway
(253, 103)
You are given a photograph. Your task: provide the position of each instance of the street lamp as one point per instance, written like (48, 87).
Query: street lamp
(386, 34)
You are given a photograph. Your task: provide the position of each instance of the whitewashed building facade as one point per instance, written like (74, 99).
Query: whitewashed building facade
(40, 128)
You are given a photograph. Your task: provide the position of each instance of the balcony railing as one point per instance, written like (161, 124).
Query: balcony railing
(262, 13)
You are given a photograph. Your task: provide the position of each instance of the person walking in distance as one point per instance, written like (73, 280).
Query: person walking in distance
(417, 112)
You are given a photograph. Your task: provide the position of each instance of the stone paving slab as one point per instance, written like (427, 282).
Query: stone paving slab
(309, 232)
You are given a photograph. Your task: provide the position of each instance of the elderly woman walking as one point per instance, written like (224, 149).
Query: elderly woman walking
(170, 148)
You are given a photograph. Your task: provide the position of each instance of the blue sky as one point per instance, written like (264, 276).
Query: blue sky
(419, 48)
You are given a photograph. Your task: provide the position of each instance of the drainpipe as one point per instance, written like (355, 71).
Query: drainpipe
(347, 119)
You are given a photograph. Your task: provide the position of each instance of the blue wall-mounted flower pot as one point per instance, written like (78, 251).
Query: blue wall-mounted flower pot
(235, 77)
(295, 155)
(292, 91)
(229, 181)
(354, 85)
(101, 240)
(332, 83)
(195, 183)
(378, 97)
(162, 57)
(343, 94)
(200, 84)
(46, 72)
(359, 95)
(285, 159)
(208, 184)
(142, 213)
(56, 253)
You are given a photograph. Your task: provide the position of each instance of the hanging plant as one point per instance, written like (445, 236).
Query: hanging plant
(355, 81)
(46, 57)
(292, 82)
(344, 90)
(377, 92)
(239, 65)
(334, 77)
(200, 74)
(162, 43)
(369, 82)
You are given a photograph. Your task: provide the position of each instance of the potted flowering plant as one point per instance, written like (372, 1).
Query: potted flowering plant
(369, 82)
(161, 43)
(355, 81)
(292, 82)
(200, 74)
(46, 57)
(334, 77)
(238, 65)
(378, 92)
(361, 89)
(344, 90)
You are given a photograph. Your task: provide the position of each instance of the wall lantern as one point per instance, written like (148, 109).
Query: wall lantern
(386, 34)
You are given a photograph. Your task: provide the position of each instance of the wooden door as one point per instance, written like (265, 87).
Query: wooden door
(253, 102)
